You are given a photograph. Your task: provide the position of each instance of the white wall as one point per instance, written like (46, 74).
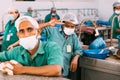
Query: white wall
(105, 8)
(22, 6)
(4, 5)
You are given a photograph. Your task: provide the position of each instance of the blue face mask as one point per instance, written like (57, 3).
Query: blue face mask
(11, 17)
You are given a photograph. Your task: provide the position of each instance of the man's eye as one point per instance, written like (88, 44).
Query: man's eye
(21, 31)
(30, 29)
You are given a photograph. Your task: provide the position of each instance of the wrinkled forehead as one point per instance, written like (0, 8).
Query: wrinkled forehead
(25, 24)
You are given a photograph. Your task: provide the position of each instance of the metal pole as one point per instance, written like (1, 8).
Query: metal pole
(80, 27)
(111, 42)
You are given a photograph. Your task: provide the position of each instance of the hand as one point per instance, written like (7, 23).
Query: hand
(17, 68)
(10, 47)
(118, 30)
(53, 22)
(9, 67)
(74, 63)
(6, 67)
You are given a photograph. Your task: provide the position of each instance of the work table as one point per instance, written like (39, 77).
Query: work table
(98, 69)
(28, 77)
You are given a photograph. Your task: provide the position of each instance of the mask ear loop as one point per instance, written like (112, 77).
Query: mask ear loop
(37, 35)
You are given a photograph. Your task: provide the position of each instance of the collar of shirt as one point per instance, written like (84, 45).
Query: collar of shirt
(39, 51)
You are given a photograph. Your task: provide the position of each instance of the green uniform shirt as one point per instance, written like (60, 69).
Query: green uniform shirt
(115, 25)
(47, 53)
(49, 16)
(10, 35)
(28, 14)
(57, 35)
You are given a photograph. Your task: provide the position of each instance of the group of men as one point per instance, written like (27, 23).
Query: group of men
(56, 56)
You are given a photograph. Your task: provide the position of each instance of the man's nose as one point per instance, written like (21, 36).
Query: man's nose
(27, 34)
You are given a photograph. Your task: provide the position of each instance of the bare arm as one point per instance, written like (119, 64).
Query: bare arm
(1, 37)
(74, 63)
(13, 45)
(50, 23)
(48, 70)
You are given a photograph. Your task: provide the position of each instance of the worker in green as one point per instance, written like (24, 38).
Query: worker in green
(33, 56)
(10, 36)
(67, 40)
(29, 12)
(52, 15)
(115, 20)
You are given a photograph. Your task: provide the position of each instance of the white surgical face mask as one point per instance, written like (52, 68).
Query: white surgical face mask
(69, 31)
(53, 14)
(29, 42)
(11, 17)
(117, 11)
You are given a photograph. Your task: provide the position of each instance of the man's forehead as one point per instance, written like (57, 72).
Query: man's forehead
(68, 23)
(117, 7)
(25, 23)
(11, 11)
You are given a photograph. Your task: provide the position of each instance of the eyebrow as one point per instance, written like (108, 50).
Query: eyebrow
(11, 12)
(30, 28)
(20, 30)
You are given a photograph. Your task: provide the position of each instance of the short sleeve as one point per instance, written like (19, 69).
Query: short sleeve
(76, 45)
(54, 54)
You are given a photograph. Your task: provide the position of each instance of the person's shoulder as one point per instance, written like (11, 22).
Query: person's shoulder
(8, 22)
(18, 49)
(48, 14)
(57, 15)
(49, 28)
(25, 13)
(112, 15)
(51, 47)
(49, 44)
(74, 35)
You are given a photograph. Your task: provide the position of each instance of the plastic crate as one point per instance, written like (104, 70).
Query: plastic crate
(96, 53)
